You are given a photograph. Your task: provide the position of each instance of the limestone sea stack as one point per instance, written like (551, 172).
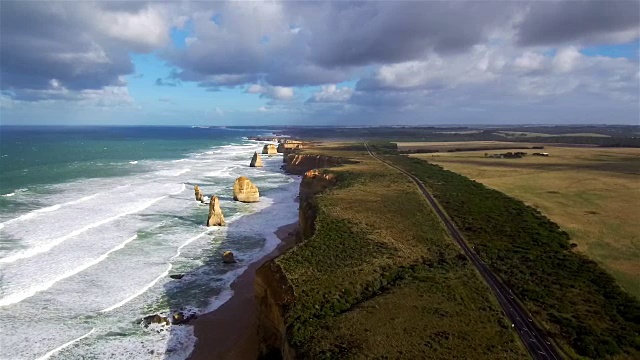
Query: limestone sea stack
(256, 160)
(198, 193)
(245, 191)
(215, 213)
(270, 149)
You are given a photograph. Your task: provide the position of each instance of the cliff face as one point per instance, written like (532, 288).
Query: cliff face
(301, 163)
(274, 295)
(312, 183)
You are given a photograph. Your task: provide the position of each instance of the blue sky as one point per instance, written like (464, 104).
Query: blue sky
(200, 63)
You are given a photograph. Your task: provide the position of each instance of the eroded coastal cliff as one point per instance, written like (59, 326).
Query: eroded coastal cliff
(274, 293)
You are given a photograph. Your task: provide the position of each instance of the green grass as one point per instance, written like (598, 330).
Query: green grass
(380, 266)
(580, 304)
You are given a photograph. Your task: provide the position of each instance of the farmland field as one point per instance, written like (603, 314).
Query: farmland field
(592, 193)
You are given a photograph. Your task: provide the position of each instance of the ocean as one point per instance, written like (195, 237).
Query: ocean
(93, 221)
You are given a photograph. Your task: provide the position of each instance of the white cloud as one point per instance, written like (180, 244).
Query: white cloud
(271, 92)
(566, 59)
(147, 28)
(331, 93)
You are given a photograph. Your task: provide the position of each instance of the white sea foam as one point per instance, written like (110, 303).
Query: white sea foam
(50, 245)
(19, 296)
(37, 212)
(9, 194)
(65, 345)
(163, 275)
(125, 281)
(133, 162)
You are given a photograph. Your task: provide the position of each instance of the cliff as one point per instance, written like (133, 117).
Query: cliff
(312, 183)
(299, 164)
(274, 294)
(273, 297)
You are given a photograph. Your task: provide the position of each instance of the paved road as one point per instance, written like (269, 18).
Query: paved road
(532, 337)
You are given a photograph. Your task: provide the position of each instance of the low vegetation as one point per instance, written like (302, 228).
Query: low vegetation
(380, 278)
(580, 305)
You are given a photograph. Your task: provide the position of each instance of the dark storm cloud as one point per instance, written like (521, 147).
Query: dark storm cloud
(387, 32)
(610, 21)
(39, 43)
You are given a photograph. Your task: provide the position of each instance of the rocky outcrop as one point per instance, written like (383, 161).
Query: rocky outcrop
(215, 213)
(245, 191)
(270, 149)
(256, 160)
(287, 146)
(198, 193)
(155, 319)
(175, 318)
(228, 257)
(301, 163)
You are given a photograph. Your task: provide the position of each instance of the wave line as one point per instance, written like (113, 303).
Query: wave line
(18, 297)
(67, 344)
(44, 248)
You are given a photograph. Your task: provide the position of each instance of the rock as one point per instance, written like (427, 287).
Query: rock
(198, 193)
(256, 160)
(155, 319)
(176, 276)
(179, 318)
(228, 258)
(270, 149)
(215, 213)
(245, 191)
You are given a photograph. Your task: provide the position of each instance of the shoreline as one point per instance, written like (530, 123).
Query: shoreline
(230, 331)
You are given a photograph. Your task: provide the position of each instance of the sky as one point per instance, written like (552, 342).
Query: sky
(319, 63)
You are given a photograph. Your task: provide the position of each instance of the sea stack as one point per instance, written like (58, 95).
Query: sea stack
(270, 149)
(198, 193)
(228, 257)
(256, 160)
(215, 213)
(245, 191)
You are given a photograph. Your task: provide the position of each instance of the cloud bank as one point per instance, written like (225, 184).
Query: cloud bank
(411, 62)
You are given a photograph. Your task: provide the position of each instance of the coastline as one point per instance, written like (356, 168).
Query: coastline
(230, 331)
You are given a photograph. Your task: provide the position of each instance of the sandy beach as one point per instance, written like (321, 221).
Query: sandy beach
(230, 332)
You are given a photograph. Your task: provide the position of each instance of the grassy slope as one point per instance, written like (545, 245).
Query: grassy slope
(578, 303)
(587, 191)
(380, 278)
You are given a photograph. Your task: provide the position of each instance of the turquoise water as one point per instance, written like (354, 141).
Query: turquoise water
(94, 220)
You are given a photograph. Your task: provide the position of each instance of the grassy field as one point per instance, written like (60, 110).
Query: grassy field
(572, 297)
(380, 278)
(592, 193)
(535, 134)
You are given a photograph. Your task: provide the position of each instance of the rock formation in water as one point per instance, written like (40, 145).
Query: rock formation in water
(228, 257)
(198, 193)
(245, 191)
(256, 160)
(155, 319)
(270, 149)
(215, 213)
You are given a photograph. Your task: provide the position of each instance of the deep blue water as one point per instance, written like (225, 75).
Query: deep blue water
(32, 156)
